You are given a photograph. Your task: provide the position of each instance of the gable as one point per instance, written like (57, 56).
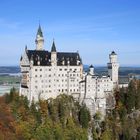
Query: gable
(24, 60)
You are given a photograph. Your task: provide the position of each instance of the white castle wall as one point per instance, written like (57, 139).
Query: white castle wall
(43, 82)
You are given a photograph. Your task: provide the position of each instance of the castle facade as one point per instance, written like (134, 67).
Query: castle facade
(47, 74)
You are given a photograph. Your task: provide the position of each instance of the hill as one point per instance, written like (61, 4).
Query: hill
(8, 70)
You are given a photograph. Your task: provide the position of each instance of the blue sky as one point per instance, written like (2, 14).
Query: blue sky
(92, 27)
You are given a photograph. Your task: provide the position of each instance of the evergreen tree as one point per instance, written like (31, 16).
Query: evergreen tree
(84, 116)
(137, 96)
(130, 99)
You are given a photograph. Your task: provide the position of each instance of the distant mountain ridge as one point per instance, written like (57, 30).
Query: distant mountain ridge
(9, 69)
(98, 69)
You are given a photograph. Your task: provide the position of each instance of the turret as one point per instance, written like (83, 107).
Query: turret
(91, 70)
(39, 39)
(53, 54)
(113, 68)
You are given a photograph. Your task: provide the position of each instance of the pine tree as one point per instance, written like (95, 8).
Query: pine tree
(84, 116)
(130, 98)
(137, 96)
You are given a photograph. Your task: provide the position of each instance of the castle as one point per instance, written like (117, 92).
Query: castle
(48, 74)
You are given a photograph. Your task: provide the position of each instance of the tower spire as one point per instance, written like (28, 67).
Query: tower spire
(39, 32)
(53, 55)
(53, 49)
(39, 39)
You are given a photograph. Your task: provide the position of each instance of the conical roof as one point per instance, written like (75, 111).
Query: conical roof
(91, 66)
(39, 32)
(113, 53)
(53, 47)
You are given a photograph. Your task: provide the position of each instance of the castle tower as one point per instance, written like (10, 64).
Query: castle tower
(91, 70)
(39, 39)
(113, 68)
(53, 55)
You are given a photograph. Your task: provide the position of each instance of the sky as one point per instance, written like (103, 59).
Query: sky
(94, 28)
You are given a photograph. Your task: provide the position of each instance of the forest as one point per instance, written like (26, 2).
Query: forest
(64, 118)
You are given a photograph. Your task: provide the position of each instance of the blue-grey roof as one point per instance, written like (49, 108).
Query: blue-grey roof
(53, 47)
(45, 58)
(113, 53)
(39, 31)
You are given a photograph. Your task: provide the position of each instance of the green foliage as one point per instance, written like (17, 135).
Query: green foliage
(44, 132)
(106, 135)
(63, 118)
(9, 97)
(130, 98)
(137, 96)
(122, 95)
(84, 116)
(95, 134)
(58, 132)
(97, 116)
(53, 119)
